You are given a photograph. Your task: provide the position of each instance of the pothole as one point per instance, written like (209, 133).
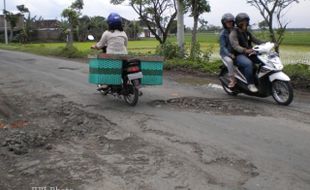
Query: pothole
(213, 105)
(231, 173)
(68, 68)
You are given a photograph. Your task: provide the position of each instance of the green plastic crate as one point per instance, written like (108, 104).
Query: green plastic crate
(152, 72)
(105, 71)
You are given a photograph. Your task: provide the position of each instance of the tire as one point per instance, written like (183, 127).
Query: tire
(224, 75)
(133, 97)
(282, 92)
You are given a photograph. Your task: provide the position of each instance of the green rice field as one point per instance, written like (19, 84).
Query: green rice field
(295, 47)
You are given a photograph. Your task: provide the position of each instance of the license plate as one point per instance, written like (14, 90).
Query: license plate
(134, 76)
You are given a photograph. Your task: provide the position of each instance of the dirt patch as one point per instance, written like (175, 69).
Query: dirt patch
(212, 105)
(57, 143)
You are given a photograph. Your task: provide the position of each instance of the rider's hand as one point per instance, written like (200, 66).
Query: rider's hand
(248, 51)
(232, 56)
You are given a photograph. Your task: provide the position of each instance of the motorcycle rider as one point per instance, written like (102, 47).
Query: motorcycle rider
(241, 41)
(226, 51)
(114, 39)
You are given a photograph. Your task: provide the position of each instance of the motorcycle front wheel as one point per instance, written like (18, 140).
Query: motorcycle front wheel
(282, 92)
(133, 96)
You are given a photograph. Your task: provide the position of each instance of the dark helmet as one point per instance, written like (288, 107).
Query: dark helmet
(242, 17)
(114, 19)
(227, 17)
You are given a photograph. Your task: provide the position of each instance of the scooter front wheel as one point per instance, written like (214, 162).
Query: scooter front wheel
(282, 92)
(132, 97)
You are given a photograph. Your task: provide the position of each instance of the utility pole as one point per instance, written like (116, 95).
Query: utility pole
(180, 26)
(5, 23)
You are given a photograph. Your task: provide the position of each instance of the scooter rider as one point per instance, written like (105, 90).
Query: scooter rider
(241, 40)
(226, 51)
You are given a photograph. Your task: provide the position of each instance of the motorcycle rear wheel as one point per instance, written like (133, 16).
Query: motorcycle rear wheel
(282, 92)
(132, 97)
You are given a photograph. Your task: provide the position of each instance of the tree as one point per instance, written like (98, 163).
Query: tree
(203, 25)
(12, 20)
(174, 27)
(72, 14)
(197, 7)
(157, 15)
(97, 25)
(270, 10)
(180, 26)
(63, 26)
(27, 32)
(133, 29)
(78, 5)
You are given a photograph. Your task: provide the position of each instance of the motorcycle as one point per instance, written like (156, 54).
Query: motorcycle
(269, 78)
(129, 89)
(131, 76)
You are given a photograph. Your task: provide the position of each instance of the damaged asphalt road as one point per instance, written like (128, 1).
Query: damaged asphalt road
(57, 131)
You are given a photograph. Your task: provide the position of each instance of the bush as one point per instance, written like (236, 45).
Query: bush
(69, 52)
(199, 55)
(192, 65)
(168, 50)
(198, 61)
(299, 74)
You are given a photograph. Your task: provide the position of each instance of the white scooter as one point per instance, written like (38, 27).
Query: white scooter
(269, 78)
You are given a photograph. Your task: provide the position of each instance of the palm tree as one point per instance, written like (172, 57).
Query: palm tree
(28, 26)
(72, 14)
(72, 17)
(63, 26)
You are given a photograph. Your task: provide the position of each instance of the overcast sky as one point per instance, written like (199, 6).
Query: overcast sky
(298, 15)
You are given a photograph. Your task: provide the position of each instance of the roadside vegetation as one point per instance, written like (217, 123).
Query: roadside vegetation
(295, 53)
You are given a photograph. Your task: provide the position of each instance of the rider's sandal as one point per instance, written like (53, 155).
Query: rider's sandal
(232, 83)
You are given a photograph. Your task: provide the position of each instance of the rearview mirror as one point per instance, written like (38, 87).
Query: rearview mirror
(91, 37)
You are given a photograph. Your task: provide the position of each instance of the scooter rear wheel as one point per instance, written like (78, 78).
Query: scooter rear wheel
(282, 92)
(132, 97)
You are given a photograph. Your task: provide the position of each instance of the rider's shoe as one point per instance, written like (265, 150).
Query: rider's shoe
(252, 88)
(102, 87)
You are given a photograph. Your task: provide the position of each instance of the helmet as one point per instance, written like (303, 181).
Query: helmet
(227, 17)
(114, 19)
(241, 17)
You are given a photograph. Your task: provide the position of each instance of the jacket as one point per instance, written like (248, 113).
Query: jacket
(116, 42)
(240, 41)
(225, 46)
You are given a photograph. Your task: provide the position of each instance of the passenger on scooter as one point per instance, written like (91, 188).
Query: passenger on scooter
(114, 39)
(241, 40)
(226, 51)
